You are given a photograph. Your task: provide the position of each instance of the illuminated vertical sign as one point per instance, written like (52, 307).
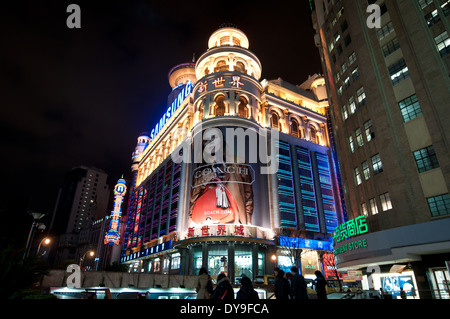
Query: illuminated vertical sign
(113, 236)
(184, 93)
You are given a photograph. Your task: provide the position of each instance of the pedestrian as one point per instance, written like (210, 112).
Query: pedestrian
(282, 288)
(204, 284)
(321, 284)
(299, 290)
(247, 292)
(223, 290)
(402, 293)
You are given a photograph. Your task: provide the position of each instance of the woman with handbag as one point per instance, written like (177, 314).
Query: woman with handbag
(223, 290)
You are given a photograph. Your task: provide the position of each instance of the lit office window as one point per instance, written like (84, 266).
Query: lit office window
(424, 3)
(352, 58)
(361, 96)
(344, 112)
(410, 108)
(364, 209)
(432, 18)
(398, 71)
(390, 47)
(368, 130)
(359, 138)
(366, 170)
(377, 166)
(352, 104)
(443, 43)
(426, 159)
(439, 205)
(358, 179)
(350, 143)
(385, 200)
(445, 7)
(344, 67)
(355, 74)
(373, 206)
(385, 30)
(347, 82)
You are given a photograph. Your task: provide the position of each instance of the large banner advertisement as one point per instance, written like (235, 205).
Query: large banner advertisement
(230, 187)
(222, 193)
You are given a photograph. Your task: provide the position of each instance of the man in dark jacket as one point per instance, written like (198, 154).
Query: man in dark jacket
(298, 285)
(247, 291)
(321, 285)
(282, 287)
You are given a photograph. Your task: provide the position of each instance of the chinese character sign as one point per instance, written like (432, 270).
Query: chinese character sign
(113, 236)
(353, 227)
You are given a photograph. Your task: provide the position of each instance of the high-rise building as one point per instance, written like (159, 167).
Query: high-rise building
(237, 174)
(83, 199)
(388, 88)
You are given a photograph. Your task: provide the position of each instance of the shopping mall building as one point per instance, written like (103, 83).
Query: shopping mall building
(237, 174)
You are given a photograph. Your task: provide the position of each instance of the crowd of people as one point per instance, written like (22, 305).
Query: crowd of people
(287, 286)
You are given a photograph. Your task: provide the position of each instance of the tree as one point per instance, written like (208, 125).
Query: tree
(328, 260)
(17, 273)
(286, 238)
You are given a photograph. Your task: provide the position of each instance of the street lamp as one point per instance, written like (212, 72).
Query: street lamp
(36, 216)
(91, 253)
(46, 241)
(274, 259)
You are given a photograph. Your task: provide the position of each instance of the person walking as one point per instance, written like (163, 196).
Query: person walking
(282, 288)
(321, 284)
(223, 290)
(298, 286)
(204, 284)
(247, 292)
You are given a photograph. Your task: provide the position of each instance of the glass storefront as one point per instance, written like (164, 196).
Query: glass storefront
(243, 261)
(197, 260)
(217, 259)
(440, 282)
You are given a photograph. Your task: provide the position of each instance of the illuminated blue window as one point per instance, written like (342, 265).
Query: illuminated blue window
(307, 190)
(326, 188)
(285, 187)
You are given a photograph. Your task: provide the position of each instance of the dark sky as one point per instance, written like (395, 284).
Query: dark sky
(81, 96)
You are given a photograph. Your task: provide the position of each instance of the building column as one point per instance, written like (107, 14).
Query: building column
(231, 248)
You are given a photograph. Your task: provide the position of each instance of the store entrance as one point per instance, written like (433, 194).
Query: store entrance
(441, 283)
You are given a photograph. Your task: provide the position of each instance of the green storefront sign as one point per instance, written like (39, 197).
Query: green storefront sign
(350, 229)
(350, 246)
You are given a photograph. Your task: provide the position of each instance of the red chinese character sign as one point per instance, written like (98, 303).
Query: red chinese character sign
(113, 236)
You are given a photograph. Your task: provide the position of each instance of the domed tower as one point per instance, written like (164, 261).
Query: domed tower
(142, 142)
(227, 78)
(181, 74)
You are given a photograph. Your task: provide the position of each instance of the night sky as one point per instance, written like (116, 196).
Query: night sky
(81, 96)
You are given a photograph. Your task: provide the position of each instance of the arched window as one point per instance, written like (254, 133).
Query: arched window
(275, 121)
(295, 129)
(221, 66)
(242, 107)
(220, 105)
(240, 67)
(313, 134)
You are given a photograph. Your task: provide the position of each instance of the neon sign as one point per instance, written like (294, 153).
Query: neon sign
(113, 236)
(171, 109)
(351, 228)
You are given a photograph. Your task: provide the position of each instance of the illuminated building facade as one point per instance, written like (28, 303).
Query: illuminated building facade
(230, 213)
(388, 89)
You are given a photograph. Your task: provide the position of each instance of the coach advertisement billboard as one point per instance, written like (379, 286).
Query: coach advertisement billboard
(229, 186)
